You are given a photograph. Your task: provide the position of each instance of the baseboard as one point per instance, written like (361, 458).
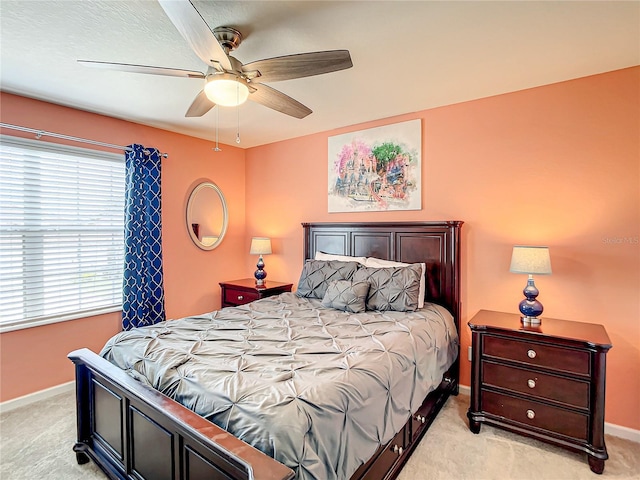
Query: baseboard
(37, 396)
(622, 432)
(609, 428)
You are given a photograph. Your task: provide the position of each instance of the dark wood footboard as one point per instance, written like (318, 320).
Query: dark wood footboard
(134, 432)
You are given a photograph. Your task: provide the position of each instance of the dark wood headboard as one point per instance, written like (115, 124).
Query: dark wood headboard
(435, 243)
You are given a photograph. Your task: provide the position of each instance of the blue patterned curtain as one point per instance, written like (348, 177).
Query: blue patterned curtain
(143, 290)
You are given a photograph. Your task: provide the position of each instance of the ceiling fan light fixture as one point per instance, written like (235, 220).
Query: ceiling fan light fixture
(226, 92)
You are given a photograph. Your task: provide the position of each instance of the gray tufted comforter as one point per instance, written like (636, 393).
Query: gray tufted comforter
(318, 389)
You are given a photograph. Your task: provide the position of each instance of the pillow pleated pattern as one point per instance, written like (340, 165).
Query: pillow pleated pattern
(379, 262)
(347, 296)
(393, 288)
(318, 274)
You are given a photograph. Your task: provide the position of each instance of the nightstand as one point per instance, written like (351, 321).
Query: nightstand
(239, 292)
(546, 382)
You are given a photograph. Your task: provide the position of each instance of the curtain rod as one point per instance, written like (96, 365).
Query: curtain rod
(42, 133)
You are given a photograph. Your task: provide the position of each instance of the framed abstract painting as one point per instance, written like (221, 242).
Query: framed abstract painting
(377, 169)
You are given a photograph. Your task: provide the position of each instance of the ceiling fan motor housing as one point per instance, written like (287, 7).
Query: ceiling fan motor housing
(228, 37)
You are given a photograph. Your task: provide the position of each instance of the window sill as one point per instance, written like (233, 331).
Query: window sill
(37, 322)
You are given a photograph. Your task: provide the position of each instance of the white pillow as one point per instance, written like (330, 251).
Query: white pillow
(340, 258)
(380, 263)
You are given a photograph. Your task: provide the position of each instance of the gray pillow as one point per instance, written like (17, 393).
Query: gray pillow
(346, 296)
(318, 274)
(393, 288)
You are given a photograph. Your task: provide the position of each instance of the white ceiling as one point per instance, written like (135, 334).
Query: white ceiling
(407, 56)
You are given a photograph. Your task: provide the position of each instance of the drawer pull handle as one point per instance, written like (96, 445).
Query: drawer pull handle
(240, 297)
(531, 414)
(397, 449)
(531, 354)
(420, 418)
(531, 383)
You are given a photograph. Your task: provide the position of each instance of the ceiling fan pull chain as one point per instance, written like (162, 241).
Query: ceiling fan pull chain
(238, 131)
(217, 149)
(238, 112)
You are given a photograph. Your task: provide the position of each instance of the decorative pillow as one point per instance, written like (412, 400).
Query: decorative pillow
(378, 262)
(392, 288)
(317, 274)
(347, 296)
(341, 258)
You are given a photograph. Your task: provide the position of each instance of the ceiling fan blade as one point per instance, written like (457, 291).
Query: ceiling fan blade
(196, 32)
(272, 98)
(300, 65)
(200, 105)
(127, 67)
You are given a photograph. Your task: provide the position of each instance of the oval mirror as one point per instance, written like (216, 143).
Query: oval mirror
(207, 216)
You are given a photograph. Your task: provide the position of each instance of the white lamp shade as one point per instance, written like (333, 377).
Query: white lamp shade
(530, 260)
(260, 246)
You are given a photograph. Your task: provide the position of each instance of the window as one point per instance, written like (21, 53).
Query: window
(61, 232)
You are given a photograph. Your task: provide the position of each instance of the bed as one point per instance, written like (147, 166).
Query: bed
(132, 430)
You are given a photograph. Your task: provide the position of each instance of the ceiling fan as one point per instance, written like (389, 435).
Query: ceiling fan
(228, 81)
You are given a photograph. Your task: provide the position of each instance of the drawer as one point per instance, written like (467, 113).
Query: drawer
(239, 297)
(537, 354)
(418, 424)
(570, 392)
(421, 419)
(552, 419)
(390, 455)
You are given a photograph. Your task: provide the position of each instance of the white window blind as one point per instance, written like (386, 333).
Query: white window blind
(61, 232)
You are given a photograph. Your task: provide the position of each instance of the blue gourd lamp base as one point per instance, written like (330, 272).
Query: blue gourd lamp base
(530, 312)
(260, 273)
(530, 308)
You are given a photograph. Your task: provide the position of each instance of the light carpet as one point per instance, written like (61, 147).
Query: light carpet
(36, 443)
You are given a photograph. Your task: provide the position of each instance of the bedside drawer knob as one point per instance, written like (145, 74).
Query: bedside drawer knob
(531, 354)
(420, 418)
(397, 449)
(531, 414)
(240, 297)
(531, 383)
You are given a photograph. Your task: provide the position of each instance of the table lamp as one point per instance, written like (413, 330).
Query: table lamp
(530, 260)
(260, 246)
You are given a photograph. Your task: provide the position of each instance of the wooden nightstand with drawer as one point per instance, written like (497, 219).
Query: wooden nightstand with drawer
(546, 382)
(239, 292)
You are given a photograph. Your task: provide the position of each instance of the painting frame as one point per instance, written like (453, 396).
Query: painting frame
(377, 169)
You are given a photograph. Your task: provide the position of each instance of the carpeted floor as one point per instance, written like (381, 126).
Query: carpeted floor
(36, 443)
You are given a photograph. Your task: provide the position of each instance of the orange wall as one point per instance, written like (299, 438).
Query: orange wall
(35, 358)
(557, 165)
